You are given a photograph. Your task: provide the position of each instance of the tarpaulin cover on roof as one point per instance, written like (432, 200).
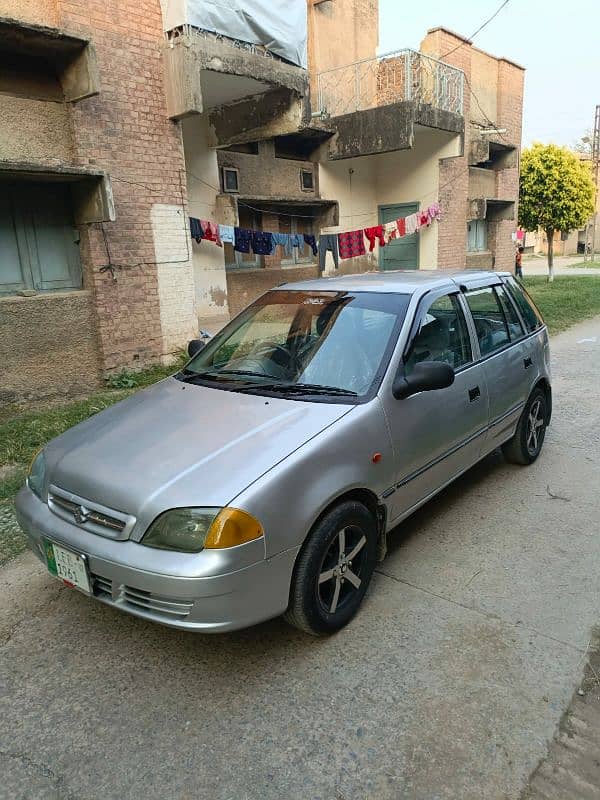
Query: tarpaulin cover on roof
(278, 25)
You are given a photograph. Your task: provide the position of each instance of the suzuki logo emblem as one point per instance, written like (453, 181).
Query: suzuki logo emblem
(81, 515)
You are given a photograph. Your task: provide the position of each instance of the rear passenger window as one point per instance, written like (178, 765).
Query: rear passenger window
(443, 336)
(512, 318)
(531, 316)
(489, 319)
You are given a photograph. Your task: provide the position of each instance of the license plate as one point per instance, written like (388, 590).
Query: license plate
(68, 566)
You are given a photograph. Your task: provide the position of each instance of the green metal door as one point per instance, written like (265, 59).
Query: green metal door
(399, 253)
(38, 241)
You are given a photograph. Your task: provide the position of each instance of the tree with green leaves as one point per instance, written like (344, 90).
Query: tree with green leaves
(556, 192)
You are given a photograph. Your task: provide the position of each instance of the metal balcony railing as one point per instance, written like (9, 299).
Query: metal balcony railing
(390, 78)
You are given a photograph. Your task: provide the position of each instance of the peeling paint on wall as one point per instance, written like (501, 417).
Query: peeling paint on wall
(218, 296)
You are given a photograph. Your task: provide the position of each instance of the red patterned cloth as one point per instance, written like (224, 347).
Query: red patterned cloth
(401, 223)
(211, 231)
(351, 244)
(375, 233)
(423, 219)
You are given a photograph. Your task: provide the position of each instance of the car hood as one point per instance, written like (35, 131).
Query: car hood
(178, 444)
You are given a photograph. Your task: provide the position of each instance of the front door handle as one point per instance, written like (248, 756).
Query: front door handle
(527, 362)
(474, 394)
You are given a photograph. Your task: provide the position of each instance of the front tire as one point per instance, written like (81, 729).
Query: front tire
(526, 445)
(333, 570)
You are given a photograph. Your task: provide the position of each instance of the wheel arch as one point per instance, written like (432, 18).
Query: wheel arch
(367, 498)
(544, 385)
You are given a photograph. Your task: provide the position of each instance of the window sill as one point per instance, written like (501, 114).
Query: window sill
(49, 294)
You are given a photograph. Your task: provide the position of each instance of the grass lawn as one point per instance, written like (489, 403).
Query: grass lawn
(585, 265)
(564, 302)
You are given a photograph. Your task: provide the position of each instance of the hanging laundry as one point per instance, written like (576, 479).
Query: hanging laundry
(226, 234)
(401, 225)
(412, 224)
(423, 218)
(211, 232)
(262, 243)
(196, 229)
(351, 244)
(283, 239)
(375, 233)
(311, 242)
(328, 242)
(434, 211)
(242, 239)
(297, 240)
(390, 231)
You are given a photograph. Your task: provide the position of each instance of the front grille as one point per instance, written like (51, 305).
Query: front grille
(91, 516)
(88, 515)
(139, 599)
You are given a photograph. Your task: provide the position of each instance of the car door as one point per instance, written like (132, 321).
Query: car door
(503, 356)
(537, 353)
(436, 434)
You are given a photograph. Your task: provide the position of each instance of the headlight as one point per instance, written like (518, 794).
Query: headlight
(190, 530)
(37, 475)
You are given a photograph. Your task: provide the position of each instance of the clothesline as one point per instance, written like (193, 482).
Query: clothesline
(345, 244)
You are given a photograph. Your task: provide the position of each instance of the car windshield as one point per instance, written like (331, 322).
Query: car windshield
(304, 343)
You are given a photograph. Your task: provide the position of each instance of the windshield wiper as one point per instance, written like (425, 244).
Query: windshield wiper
(189, 375)
(283, 388)
(304, 388)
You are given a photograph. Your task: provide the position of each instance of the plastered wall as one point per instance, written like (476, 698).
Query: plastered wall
(202, 171)
(404, 176)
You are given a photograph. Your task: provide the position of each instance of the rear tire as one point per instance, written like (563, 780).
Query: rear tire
(526, 445)
(333, 570)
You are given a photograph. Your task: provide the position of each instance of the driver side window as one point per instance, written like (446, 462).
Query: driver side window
(443, 336)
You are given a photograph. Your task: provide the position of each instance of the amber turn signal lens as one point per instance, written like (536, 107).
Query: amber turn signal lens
(232, 527)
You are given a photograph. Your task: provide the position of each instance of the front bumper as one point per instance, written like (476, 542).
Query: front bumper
(211, 604)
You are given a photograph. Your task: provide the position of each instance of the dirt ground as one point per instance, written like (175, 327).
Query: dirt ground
(455, 682)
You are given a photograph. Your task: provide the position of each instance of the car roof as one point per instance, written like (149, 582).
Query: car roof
(407, 281)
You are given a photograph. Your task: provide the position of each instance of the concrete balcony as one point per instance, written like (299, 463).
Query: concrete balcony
(377, 104)
(208, 74)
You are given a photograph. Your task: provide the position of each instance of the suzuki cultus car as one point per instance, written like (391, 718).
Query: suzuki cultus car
(263, 478)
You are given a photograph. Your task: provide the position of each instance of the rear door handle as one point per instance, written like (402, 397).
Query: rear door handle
(474, 394)
(527, 362)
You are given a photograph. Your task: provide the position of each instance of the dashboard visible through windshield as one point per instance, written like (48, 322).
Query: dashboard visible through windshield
(304, 344)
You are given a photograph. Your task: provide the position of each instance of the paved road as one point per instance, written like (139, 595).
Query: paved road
(450, 684)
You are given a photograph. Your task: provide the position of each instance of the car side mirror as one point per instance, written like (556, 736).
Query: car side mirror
(425, 377)
(195, 346)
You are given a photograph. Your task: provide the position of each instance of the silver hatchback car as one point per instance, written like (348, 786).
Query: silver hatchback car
(263, 478)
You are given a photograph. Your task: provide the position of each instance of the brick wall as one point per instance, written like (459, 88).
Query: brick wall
(454, 172)
(391, 80)
(506, 97)
(125, 131)
(244, 286)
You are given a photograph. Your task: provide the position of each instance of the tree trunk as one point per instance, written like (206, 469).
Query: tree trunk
(550, 239)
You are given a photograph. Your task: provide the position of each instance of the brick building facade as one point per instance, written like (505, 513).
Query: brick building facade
(130, 125)
(132, 301)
